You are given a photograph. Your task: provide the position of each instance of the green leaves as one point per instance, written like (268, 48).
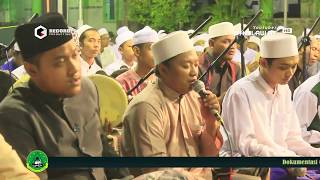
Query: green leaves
(169, 15)
(172, 15)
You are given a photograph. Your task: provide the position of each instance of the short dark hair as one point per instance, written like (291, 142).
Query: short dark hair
(166, 63)
(140, 46)
(270, 60)
(83, 35)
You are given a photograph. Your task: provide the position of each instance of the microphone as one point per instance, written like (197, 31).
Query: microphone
(199, 87)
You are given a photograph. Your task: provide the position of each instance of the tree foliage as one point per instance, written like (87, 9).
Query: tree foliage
(168, 15)
(172, 15)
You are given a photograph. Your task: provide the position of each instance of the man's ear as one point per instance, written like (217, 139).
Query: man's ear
(81, 45)
(31, 69)
(263, 62)
(163, 69)
(211, 42)
(136, 51)
(120, 49)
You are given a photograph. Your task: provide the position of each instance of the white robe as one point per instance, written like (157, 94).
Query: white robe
(261, 121)
(87, 70)
(306, 105)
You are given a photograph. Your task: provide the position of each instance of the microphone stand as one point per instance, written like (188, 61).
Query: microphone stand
(153, 69)
(238, 38)
(305, 41)
(243, 65)
(141, 81)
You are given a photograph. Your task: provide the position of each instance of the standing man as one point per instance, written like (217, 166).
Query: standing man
(142, 41)
(55, 111)
(167, 119)
(258, 110)
(226, 72)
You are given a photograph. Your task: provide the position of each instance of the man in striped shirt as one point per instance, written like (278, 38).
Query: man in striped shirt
(142, 42)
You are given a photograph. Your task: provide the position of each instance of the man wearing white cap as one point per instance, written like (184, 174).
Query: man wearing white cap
(89, 40)
(226, 72)
(258, 110)
(254, 43)
(124, 44)
(306, 101)
(107, 55)
(167, 118)
(312, 53)
(251, 54)
(142, 41)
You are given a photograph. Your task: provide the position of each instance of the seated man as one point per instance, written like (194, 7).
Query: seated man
(142, 41)
(258, 110)
(56, 111)
(306, 102)
(167, 118)
(225, 72)
(124, 44)
(312, 53)
(89, 41)
(11, 166)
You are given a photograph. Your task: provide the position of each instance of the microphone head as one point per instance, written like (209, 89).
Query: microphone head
(198, 86)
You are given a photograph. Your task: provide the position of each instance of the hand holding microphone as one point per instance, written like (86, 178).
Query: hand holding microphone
(210, 100)
(199, 87)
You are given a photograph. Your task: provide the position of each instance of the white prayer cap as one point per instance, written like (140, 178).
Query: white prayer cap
(123, 37)
(199, 48)
(122, 29)
(237, 29)
(190, 31)
(255, 39)
(170, 46)
(221, 29)
(202, 37)
(82, 29)
(161, 34)
(16, 47)
(103, 31)
(161, 31)
(145, 35)
(280, 29)
(278, 45)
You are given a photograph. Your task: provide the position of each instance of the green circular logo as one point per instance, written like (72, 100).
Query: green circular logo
(37, 161)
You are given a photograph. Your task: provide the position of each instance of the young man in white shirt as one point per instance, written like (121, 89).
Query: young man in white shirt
(258, 110)
(306, 102)
(89, 40)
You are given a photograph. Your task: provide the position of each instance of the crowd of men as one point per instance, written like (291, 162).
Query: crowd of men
(54, 106)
